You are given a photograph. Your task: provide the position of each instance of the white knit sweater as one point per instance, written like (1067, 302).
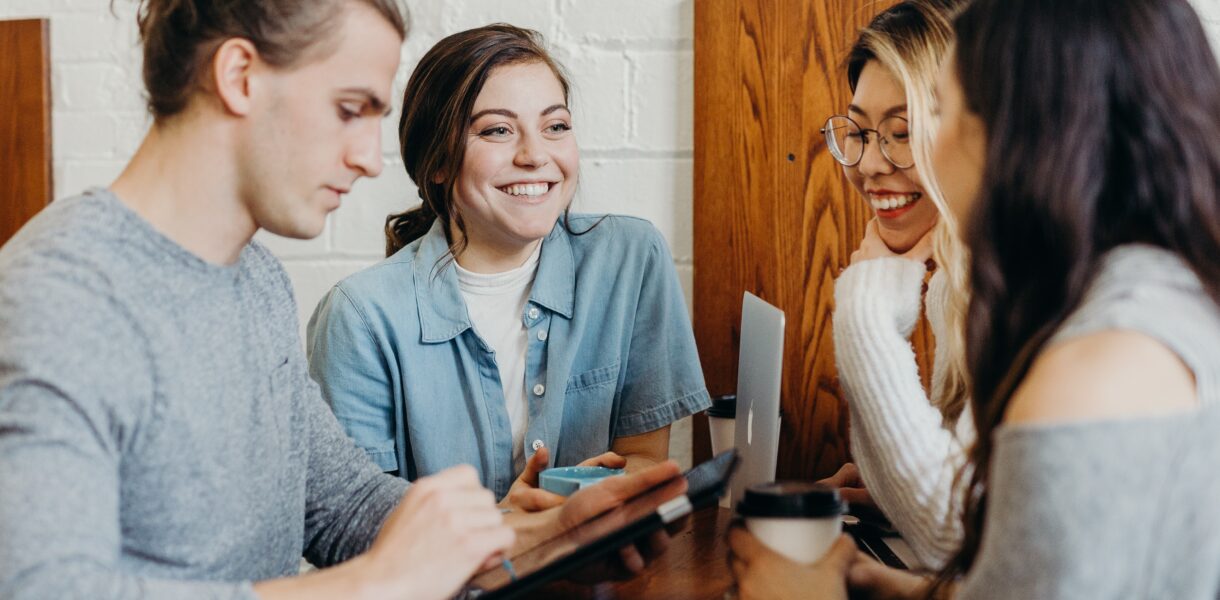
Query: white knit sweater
(906, 456)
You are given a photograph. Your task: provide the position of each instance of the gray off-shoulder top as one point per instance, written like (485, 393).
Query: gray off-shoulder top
(1121, 508)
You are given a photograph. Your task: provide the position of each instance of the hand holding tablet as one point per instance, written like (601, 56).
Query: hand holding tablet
(588, 533)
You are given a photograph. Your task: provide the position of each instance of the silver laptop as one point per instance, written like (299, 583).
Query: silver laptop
(759, 368)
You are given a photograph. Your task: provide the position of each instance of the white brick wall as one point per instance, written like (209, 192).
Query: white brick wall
(631, 67)
(630, 62)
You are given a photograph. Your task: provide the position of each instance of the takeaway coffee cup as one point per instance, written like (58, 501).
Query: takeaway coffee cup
(797, 519)
(720, 420)
(721, 423)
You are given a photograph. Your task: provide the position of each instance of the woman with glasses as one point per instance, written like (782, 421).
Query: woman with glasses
(1094, 315)
(907, 444)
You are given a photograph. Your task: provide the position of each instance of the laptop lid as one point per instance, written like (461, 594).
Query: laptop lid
(759, 369)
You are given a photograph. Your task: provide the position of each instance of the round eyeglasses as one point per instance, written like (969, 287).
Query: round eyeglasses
(846, 140)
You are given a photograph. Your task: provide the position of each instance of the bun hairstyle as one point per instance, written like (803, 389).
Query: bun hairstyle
(179, 38)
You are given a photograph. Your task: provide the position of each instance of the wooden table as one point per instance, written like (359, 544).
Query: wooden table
(694, 568)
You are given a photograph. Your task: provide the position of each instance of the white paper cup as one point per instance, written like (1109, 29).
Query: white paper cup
(722, 433)
(801, 540)
(796, 519)
(722, 425)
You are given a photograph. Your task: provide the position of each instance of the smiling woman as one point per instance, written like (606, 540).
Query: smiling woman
(520, 170)
(908, 441)
(878, 119)
(502, 331)
(437, 128)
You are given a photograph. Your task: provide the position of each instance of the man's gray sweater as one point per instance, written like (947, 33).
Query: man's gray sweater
(159, 433)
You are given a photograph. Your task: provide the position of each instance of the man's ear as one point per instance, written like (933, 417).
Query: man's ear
(232, 68)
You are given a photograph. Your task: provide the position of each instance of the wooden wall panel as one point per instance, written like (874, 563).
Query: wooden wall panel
(773, 213)
(25, 123)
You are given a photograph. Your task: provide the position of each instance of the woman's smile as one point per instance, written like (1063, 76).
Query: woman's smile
(892, 205)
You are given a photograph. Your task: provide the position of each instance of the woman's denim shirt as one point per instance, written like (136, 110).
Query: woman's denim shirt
(611, 353)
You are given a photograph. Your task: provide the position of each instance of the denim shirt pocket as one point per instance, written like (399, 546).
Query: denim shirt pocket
(594, 381)
(590, 402)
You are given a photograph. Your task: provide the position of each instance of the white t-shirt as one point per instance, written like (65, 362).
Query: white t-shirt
(496, 304)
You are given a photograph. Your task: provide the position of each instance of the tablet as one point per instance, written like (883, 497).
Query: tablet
(605, 534)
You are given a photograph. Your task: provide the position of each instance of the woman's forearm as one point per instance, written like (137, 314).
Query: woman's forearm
(644, 450)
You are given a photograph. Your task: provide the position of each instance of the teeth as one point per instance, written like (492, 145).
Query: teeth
(892, 202)
(526, 189)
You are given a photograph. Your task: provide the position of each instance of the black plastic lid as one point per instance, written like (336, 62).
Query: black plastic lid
(791, 499)
(723, 407)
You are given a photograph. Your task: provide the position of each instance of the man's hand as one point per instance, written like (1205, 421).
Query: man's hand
(525, 495)
(612, 493)
(537, 527)
(446, 527)
(763, 574)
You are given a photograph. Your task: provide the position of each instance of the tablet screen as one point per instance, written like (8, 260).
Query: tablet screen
(608, 532)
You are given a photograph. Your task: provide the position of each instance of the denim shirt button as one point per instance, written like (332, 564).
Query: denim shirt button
(537, 445)
(533, 312)
(539, 389)
(542, 335)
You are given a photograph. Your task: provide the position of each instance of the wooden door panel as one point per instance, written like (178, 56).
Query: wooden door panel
(773, 213)
(25, 123)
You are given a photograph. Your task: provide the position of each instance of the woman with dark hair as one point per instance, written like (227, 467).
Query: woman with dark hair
(1087, 173)
(502, 331)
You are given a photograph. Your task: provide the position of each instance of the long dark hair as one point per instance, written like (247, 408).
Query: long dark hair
(437, 105)
(1102, 122)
